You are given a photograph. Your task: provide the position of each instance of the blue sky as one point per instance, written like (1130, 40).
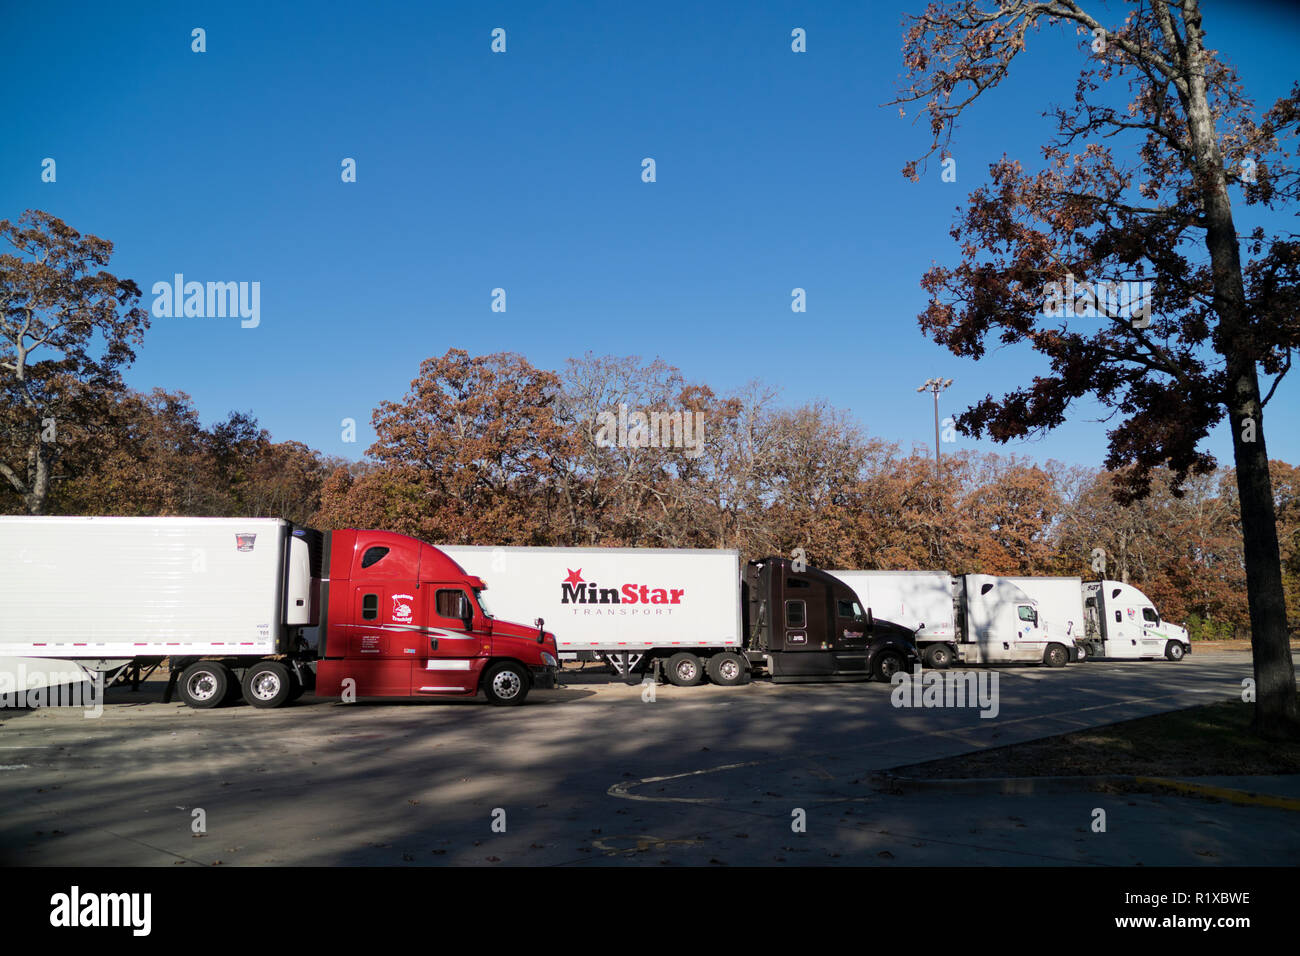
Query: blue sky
(522, 171)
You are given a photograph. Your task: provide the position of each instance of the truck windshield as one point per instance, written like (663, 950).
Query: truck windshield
(482, 602)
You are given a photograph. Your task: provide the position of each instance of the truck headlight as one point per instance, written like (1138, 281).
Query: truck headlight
(548, 660)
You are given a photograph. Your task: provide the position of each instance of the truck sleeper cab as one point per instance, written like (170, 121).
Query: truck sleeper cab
(1121, 622)
(402, 619)
(811, 626)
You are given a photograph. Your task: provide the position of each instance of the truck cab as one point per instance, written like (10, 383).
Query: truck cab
(813, 627)
(402, 619)
(1121, 622)
(1001, 624)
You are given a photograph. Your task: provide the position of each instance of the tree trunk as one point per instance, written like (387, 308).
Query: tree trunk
(1234, 340)
(1276, 714)
(1275, 701)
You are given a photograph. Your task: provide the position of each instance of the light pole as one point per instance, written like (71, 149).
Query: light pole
(935, 385)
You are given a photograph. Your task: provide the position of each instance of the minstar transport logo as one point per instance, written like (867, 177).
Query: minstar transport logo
(574, 590)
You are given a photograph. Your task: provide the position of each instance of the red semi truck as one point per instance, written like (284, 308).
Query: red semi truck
(230, 603)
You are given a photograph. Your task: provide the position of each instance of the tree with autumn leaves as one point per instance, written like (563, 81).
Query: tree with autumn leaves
(1144, 177)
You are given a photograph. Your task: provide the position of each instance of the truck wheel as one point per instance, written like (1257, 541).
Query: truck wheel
(505, 684)
(684, 669)
(1056, 655)
(726, 669)
(886, 665)
(267, 684)
(205, 684)
(938, 656)
(1174, 651)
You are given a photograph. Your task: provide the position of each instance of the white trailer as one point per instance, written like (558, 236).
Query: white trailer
(973, 618)
(616, 604)
(689, 612)
(1060, 608)
(103, 593)
(1123, 623)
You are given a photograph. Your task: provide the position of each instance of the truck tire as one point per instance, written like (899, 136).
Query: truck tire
(938, 656)
(1174, 651)
(726, 669)
(205, 684)
(684, 669)
(505, 684)
(1056, 655)
(886, 665)
(267, 684)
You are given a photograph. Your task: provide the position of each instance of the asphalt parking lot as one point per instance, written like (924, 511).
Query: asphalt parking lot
(598, 773)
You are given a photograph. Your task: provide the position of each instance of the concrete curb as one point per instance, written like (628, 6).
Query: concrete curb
(1028, 786)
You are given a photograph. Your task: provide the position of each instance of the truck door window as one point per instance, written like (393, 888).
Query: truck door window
(849, 609)
(451, 604)
(795, 614)
(370, 607)
(1150, 616)
(372, 555)
(1028, 614)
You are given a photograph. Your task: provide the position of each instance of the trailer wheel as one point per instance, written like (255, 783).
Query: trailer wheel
(938, 656)
(726, 669)
(505, 684)
(1056, 655)
(684, 669)
(267, 684)
(886, 665)
(205, 684)
(1174, 651)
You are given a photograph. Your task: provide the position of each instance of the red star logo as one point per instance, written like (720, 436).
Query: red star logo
(575, 577)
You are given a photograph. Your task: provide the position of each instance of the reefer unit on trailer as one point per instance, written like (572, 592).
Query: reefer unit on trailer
(1122, 622)
(226, 601)
(691, 613)
(973, 618)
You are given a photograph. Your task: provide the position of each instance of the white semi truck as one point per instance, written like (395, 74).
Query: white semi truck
(971, 618)
(1107, 618)
(690, 613)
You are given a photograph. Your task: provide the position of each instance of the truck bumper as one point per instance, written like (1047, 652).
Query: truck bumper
(543, 677)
